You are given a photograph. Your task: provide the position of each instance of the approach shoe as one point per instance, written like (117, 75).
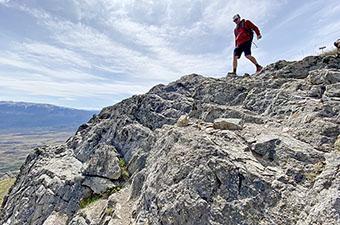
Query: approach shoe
(259, 69)
(231, 74)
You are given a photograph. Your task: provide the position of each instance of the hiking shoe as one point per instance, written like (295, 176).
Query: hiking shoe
(231, 74)
(258, 68)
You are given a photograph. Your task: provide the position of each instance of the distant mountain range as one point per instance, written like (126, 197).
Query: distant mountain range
(16, 116)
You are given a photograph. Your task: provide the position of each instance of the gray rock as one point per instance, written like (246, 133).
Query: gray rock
(195, 174)
(47, 183)
(324, 76)
(337, 144)
(228, 124)
(98, 184)
(266, 145)
(94, 214)
(317, 91)
(137, 184)
(56, 218)
(183, 121)
(333, 90)
(103, 163)
(137, 162)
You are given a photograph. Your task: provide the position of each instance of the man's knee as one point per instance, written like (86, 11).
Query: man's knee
(248, 56)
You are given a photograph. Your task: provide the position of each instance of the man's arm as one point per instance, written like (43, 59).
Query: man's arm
(252, 26)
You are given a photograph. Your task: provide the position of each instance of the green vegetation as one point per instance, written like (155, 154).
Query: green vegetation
(91, 199)
(112, 190)
(123, 167)
(94, 197)
(122, 162)
(5, 186)
(109, 211)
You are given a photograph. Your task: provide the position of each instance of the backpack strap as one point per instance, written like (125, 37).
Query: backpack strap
(248, 30)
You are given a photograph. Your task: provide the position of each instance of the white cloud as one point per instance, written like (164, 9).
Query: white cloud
(4, 1)
(74, 89)
(91, 44)
(34, 67)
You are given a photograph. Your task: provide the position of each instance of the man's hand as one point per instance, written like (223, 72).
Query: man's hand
(259, 37)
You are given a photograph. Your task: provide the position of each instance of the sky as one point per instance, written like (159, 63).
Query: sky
(89, 54)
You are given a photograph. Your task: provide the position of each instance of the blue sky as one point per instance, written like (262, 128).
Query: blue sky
(93, 53)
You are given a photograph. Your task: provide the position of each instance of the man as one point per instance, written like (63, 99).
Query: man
(244, 32)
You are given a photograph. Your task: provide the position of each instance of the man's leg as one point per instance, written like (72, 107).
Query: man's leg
(236, 56)
(247, 53)
(253, 60)
(235, 63)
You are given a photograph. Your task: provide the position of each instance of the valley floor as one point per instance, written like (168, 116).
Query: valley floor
(14, 147)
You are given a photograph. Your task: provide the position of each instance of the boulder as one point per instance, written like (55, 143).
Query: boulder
(333, 90)
(266, 145)
(98, 185)
(228, 124)
(56, 218)
(103, 163)
(183, 121)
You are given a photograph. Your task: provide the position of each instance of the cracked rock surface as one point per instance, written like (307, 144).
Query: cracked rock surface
(250, 150)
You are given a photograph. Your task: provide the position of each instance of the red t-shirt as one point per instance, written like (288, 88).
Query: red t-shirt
(242, 34)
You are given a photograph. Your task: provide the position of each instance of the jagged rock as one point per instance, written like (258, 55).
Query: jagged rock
(94, 214)
(210, 112)
(317, 91)
(183, 121)
(322, 202)
(265, 145)
(137, 162)
(333, 90)
(337, 144)
(47, 183)
(324, 76)
(103, 163)
(197, 174)
(56, 218)
(137, 184)
(228, 124)
(98, 184)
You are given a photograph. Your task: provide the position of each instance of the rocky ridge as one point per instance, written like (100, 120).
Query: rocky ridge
(261, 149)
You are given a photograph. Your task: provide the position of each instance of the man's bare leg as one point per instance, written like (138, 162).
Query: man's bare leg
(235, 63)
(253, 60)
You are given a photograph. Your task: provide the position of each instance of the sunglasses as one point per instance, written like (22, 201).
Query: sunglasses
(236, 19)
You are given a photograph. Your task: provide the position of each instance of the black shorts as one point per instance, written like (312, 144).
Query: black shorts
(245, 47)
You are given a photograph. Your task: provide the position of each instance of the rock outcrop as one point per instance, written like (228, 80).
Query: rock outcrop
(260, 149)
